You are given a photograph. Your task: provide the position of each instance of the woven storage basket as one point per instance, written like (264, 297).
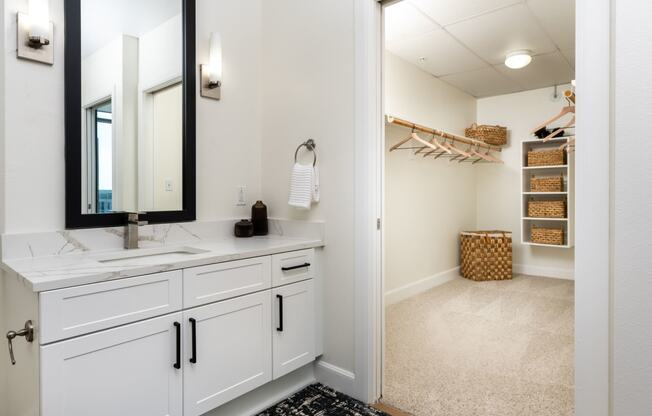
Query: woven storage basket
(494, 135)
(486, 255)
(552, 236)
(553, 157)
(547, 184)
(546, 209)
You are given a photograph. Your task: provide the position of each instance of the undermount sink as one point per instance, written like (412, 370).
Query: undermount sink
(147, 255)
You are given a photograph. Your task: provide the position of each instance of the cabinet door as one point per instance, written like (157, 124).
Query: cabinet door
(294, 327)
(128, 370)
(228, 351)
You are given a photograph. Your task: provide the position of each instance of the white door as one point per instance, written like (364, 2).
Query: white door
(125, 371)
(228, 351)
(294, 327)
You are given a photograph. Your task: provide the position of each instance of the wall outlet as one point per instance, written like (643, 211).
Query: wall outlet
(241, 198)
(168, 185)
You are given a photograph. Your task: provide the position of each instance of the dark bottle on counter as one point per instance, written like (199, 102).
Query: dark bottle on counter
(259, 218)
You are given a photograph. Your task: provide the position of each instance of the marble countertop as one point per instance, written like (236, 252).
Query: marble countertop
(45, 273)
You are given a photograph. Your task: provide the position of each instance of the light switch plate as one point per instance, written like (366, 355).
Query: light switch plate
(44, 54)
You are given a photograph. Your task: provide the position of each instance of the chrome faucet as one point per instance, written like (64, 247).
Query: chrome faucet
(131, 231)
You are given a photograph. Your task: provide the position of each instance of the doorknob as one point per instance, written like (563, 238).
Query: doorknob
(27, 332)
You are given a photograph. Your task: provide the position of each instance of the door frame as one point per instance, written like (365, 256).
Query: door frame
(594, 223)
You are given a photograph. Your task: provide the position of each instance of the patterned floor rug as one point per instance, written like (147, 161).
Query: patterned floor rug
(319, 400)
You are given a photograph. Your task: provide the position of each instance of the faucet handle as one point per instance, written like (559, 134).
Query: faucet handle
(133, 218)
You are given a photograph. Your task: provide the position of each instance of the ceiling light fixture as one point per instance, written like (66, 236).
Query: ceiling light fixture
(518, 59)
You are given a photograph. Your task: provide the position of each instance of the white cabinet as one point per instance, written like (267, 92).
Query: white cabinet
(123, 371)
(294, 327)
(292, 267)
(228, 351)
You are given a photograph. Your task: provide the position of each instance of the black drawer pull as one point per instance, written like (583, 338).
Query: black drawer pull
(301, 266)
(193, 334)
(280, 313)
(177, 364)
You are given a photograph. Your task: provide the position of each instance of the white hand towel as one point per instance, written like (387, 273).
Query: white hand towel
(301, 186)
(315, 186)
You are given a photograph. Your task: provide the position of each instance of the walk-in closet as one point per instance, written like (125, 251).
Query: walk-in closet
(479, 207)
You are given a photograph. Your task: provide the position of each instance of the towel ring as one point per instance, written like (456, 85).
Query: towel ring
(310, 145)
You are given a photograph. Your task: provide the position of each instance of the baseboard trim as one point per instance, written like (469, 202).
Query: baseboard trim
(552, 272)
(335, 377)
(420, 286)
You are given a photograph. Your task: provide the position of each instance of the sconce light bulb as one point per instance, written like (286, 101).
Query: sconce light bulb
(215, 60)
(39, 21)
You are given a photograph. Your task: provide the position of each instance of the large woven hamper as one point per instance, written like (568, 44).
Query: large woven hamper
(486, 255)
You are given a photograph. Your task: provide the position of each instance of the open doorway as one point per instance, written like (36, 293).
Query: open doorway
(500, 341)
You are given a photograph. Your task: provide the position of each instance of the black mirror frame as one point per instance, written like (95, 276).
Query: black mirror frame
(73, 122)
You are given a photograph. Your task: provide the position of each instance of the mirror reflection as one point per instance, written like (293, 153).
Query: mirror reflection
(132, 105)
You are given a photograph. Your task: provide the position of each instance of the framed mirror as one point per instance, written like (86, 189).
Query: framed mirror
(130, 111)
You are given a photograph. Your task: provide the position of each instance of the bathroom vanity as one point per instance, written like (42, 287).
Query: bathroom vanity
(165, 330)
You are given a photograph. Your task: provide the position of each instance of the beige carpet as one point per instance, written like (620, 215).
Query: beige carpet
(483, 349)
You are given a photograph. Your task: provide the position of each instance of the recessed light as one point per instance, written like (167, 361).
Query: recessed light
(518, 59)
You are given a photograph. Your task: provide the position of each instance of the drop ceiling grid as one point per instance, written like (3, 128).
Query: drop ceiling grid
(471, 73)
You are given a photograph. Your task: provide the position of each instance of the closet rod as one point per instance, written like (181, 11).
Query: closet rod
(443, 134)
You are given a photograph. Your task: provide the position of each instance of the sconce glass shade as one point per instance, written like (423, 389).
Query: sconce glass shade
(215, 59)
(39, 18)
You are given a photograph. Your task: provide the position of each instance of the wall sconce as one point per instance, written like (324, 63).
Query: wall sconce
(36, 33)
(211, 73)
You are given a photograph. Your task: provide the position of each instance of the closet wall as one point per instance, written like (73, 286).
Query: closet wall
(427, 203)
(498, 198)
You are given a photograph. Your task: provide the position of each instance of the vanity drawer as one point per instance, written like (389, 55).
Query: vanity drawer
(70, 312)
(207, 284)
(292, 267)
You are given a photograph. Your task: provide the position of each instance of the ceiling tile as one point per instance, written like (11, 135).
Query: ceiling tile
(494, 34)
(484, 82)
(570, 56)
(446, 12)
(443, 54)
(404, 20)
(544, 71)
(558, 20)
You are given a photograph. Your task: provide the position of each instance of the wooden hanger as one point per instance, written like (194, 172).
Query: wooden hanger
(436, 143)
(402, 142)
(559, 130)
(566, 110)
(486, 156)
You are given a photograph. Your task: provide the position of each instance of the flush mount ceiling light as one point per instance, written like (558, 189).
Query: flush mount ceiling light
(518, 59)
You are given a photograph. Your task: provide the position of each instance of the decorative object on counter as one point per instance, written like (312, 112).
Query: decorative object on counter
(546, 209)
(476, 151)
(547, 184)
(548, 236)
(494, 135)
(244, 228)
(486, 255)
(259, 218)
(304, 184)
(551, 157)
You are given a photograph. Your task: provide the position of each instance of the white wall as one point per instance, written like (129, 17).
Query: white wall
(632, 211)
(308, 79)
(427, 202)
(498, 186)
(228, 131)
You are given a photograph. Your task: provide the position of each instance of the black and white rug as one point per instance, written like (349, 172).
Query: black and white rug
(319, 400)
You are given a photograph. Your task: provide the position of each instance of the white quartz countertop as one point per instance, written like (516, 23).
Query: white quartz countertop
(66, 270)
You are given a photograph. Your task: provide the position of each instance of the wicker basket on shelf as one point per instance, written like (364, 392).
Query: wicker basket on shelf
(552, 157)
(493, 135)
(546, 209)
(486, 255)
(551, 236)
(547, 184)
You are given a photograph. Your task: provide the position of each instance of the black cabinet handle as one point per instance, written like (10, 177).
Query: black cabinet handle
(177, 364)
(193, 334)
(301, 266)
(280, 313)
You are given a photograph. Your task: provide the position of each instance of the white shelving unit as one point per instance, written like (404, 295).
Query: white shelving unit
(568, 194)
